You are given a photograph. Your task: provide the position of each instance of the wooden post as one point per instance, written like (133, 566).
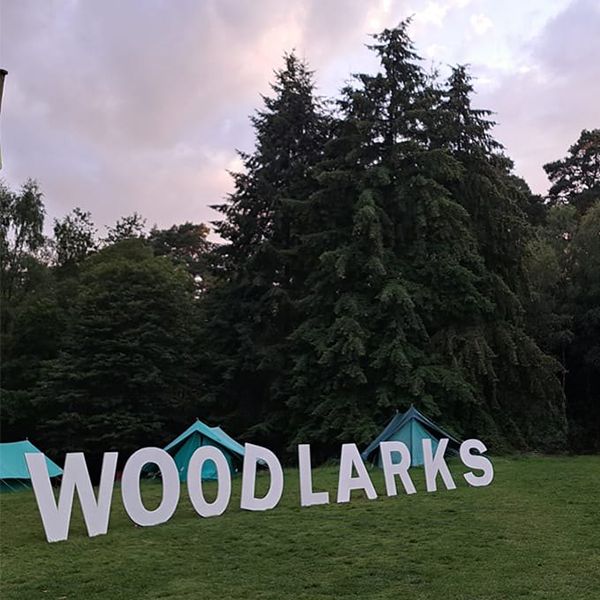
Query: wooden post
(3, 74)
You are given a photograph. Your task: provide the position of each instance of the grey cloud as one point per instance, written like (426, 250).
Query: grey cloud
(542, 111)
(121, 106)
(118, 106)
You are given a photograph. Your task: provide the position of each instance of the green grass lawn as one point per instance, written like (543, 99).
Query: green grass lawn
(533, 533)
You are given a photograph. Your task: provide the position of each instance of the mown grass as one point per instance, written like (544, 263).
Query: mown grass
(533, 533)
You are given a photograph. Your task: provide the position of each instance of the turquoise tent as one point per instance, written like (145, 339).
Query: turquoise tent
(411, 427)
(14, 473)
(197, 435)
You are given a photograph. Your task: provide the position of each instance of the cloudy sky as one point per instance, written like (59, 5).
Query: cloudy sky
(119, 106)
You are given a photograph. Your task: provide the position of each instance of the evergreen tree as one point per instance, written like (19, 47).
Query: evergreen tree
(415, 292)
(395, 261)
(517, 383)
(576, 178)
(250, 311)
(377, 256)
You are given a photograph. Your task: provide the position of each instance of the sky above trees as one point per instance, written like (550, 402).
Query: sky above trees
(130, 106)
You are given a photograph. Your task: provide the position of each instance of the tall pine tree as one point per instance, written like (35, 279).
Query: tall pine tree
(415, 291)
(250, 311)
(518, 384)
(396, 261)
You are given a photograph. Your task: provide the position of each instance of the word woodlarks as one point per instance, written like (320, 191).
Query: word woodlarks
(96, 510)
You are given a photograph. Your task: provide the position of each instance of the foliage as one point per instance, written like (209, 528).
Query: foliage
(583, 355)
(377, 251)
(122, 377)
(576, 178)
(96, 345)
(563, 266)
(131, 226)
(74, 238)
(187, 245)
(21, 237)
(251, 311)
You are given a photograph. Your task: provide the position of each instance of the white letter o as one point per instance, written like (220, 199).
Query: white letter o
(130, 487)
(194, 481)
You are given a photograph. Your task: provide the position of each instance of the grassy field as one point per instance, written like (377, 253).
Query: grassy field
(533, 533)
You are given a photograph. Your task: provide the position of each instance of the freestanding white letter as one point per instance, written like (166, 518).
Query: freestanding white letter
(194, 481)
(436, 464)
(56, 519)
(390, 468)
(480, 463)
(307, 496)
(252, 455)
(346, 483)
(130, 487)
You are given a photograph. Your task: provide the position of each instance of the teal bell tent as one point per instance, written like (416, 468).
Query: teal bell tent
(411, 427)
(197, 435)
(14, 474)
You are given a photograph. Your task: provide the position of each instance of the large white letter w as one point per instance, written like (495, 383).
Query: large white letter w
(56, 519)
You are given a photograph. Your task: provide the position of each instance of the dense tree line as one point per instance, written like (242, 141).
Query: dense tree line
(98, 335)
(377, 251)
